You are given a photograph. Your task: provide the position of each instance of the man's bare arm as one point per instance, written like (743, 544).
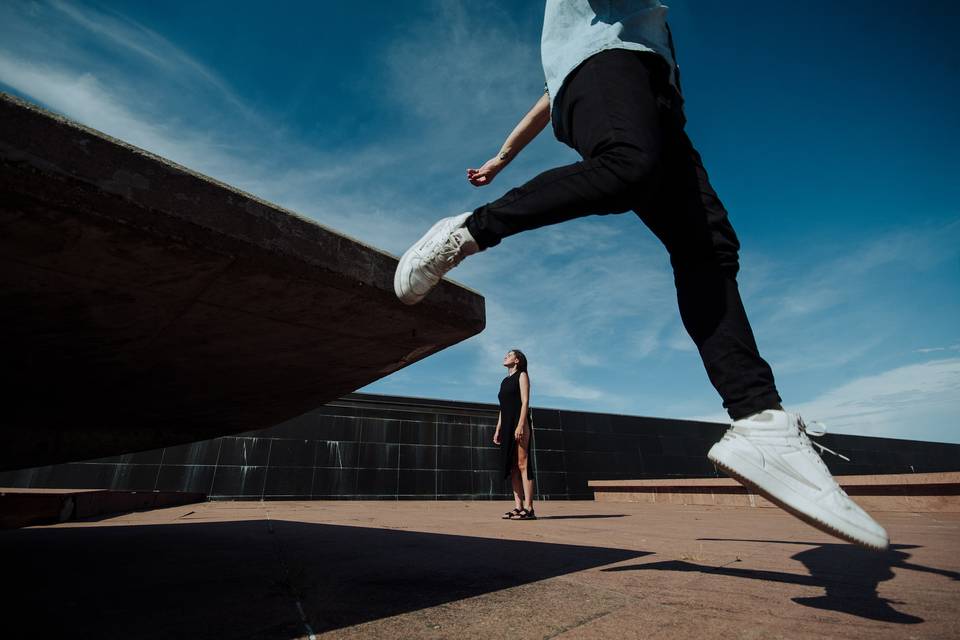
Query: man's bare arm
(525, 131)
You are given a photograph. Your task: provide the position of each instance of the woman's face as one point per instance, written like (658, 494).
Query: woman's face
(510, 359)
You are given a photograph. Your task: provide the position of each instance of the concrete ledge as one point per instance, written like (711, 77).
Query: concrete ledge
(28, 507)
(144, 305)
(919, 492)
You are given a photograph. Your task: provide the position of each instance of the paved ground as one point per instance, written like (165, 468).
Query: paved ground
(453, 569)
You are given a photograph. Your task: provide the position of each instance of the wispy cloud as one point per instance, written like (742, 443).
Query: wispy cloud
(891, 403)
(953, 347)
(831, 269)
(919, 401)
(121, 78)
(591, 301)
(459, 68)
(812, 311)
(85, 97)
(128, 36)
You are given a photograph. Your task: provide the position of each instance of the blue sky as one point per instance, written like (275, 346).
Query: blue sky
(830, 133)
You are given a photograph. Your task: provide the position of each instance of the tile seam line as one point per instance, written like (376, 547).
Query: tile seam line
(285, 570)
(581, 623)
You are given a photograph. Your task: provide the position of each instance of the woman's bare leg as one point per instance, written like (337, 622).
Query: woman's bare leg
(522, 473)
(517, 487)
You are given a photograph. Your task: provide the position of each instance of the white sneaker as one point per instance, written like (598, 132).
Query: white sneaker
(424, 264)
(771, 453)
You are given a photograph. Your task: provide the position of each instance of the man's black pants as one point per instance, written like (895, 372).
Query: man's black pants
(623, 117)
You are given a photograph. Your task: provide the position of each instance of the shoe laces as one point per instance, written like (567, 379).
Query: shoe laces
(445, 255)
(816, 429)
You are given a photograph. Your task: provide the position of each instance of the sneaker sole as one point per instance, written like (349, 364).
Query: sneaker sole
(402, 268)
(809, 518)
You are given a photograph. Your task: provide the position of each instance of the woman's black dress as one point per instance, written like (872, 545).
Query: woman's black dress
(510, 405)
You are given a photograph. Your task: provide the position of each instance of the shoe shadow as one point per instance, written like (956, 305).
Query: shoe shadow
(583, 517)
(849, 576)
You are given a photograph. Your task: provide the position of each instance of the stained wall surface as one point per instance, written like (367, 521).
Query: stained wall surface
(382, 447)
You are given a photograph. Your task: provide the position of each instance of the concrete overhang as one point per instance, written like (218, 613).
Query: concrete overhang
(144, 305)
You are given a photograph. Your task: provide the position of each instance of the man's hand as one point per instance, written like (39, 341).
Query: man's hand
(528, 128)
(485, 174)
(496, 437)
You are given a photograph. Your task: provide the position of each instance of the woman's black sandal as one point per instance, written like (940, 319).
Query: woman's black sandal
(511, 515)
(526, 514)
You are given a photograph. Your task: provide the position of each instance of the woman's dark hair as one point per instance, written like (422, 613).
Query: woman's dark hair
(522, 365)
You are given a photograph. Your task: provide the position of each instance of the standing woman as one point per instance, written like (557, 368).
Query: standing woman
(514, 434)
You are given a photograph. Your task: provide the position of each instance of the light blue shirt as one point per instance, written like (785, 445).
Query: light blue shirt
(574, 30)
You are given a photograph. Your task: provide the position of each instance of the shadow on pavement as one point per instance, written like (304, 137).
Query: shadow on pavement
(583, 517)
(848, 574)
(244, 579)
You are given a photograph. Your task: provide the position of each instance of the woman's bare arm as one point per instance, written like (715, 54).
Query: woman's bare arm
(524, 405)
(527, 129)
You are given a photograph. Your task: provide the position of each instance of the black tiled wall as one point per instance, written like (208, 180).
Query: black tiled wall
(380, 447)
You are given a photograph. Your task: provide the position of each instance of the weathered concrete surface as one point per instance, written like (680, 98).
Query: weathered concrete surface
(455, 570)
(144, 305)
(913, 492)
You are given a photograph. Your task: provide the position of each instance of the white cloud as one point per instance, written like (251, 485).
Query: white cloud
(831, 304)
(552, 372)
(85, 97)
(591, 301)
(129, 36)
(917, 401)
(146, 91)
(579, 313)
(953, 347)
(346, 191)
(460, 68)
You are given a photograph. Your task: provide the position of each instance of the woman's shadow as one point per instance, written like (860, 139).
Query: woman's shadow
(848, 574)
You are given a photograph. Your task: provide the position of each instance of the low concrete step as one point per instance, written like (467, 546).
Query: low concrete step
(27, 507)
(915, 492)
